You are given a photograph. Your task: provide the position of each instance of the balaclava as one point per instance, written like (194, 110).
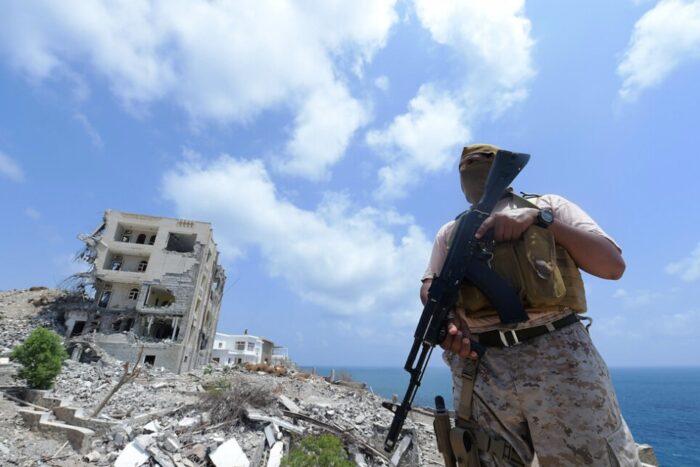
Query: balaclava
(473, 176)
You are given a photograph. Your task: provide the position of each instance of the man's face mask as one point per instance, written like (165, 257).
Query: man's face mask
(473, 176)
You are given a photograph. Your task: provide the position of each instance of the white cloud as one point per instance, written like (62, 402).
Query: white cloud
(349, 260)
(422, 140)
(687, 269)
(10, 169)
(323, 128)
(493, 47)
(382, 82)
(221, 60)
(493, 40)
(664, 38)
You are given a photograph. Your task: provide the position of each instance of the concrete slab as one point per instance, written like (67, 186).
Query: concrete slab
(229, 454)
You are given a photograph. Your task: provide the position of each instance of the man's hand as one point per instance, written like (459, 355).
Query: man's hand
(508, 225)
(457, 340)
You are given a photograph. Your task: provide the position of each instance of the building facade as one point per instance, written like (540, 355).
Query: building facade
(233, 349)
(157, 284)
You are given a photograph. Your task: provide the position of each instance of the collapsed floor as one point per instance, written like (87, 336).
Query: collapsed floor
(184, 420)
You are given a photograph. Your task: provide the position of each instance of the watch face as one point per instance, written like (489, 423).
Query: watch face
(547, 216)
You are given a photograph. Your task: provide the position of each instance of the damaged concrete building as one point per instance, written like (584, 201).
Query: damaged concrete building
(157, 284)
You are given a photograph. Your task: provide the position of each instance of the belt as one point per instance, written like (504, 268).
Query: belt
(511, 337)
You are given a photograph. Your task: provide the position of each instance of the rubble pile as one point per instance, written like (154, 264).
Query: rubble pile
(211, 416)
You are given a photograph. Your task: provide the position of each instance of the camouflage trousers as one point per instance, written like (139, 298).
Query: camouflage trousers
(550, 396)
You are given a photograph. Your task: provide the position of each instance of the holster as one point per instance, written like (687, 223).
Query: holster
(460, 445)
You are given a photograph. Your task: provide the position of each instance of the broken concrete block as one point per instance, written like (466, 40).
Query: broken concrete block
(400, 449)
(171, 444)
(188, 422)
(289, 404)
(275, 458)
(92, 456)
(160, 457)
(151, 427)
(133, 455)
(229, 454)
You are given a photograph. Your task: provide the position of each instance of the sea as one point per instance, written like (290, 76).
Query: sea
(661, 405)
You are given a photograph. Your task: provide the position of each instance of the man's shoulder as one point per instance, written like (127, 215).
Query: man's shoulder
(446, 228)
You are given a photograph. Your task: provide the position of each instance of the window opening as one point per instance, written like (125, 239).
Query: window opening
(126, 236)
(116, 263)
(142, 266)
(77, 328)
(182, 243)
(141, 239)
(104, 299)
(152, 240)
(149, 360)
(240, 345)
(134, 294)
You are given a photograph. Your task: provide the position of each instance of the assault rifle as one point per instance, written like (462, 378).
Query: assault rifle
(468, 259)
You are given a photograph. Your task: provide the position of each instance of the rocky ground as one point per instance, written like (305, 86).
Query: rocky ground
(184, 420)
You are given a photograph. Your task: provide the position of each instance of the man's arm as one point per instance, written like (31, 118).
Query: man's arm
(593, 253)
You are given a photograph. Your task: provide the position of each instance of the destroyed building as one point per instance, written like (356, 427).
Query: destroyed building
(157, 284)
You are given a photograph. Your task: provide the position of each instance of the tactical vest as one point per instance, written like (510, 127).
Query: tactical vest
(542, 273)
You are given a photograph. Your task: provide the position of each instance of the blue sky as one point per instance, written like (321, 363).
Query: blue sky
(321, 141)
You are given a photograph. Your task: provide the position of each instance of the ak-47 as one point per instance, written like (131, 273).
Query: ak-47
(467, 260)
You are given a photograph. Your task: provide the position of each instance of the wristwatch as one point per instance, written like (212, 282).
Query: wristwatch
(545, 218)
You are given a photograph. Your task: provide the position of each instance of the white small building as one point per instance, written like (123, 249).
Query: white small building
(232, 349)
(280, 355)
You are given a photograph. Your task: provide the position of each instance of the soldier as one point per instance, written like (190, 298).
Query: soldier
(541, 386)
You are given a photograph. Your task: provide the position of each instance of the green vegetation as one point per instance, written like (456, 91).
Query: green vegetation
(41, 357)
(323, 450)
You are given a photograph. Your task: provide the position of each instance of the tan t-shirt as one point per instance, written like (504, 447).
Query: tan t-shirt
(564, 211)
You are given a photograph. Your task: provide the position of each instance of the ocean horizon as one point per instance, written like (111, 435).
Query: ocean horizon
(660, 404)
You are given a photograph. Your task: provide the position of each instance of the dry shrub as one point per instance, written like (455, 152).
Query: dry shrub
(229, 399)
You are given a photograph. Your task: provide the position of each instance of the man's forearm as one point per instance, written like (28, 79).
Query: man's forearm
(593, 253)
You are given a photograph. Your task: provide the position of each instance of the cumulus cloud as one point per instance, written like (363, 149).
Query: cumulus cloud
(10, 169)
(687, 269)
(663, 39)
(492, 43)
(347, 259)
(422, 140)
(323, 128)
(493, 39)
(220, 60)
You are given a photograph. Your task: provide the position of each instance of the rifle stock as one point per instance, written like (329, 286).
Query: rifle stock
(467, 259)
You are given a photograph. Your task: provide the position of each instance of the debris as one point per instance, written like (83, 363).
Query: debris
(401, 449)
(229, 454)
(151, 427)
(289, 404)
(135, 453)
(275, 458)
(92, 456)
(188, 422)
(258, 417)
(127, 377)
